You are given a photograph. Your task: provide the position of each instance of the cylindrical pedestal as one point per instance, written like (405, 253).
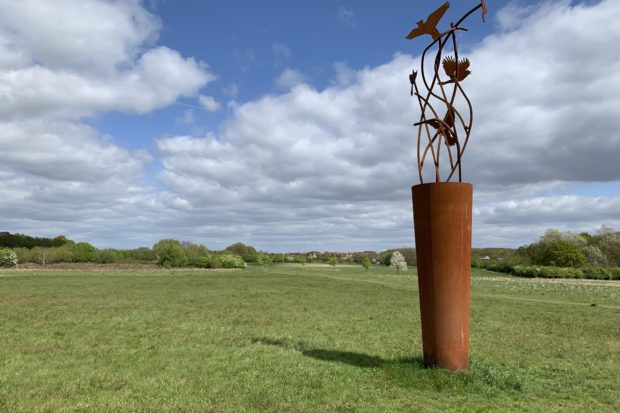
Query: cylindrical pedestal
(442, 223)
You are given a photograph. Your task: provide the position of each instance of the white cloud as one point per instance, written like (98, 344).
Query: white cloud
(78, 35)
(344, 74)
(289, 78)
(59, 63)
(337, 164)
(209, 103)
(157, 79)
(306, 169)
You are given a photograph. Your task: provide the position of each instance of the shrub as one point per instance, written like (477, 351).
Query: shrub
(498, 266)
(527, 272)
(332, 261)
(615, 273)
(560, 272)
(215, 261)
(232, 261)
(60, 254)
(8, 258)
(264, 259)
(107, 256)
(547, 272)
(208, 261)
(597, 273)
(24, 254)
(202, 262)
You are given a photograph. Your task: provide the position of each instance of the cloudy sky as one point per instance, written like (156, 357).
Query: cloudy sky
(288, 125)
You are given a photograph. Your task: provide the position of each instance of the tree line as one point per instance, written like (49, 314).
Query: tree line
(554, 254)
(559, 254)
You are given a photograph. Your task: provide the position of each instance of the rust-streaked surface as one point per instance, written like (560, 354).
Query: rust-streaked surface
(442, 223)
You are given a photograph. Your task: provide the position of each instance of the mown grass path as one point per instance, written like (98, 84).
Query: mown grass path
(297, 339)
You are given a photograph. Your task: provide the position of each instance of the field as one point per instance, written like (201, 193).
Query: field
(293, 338)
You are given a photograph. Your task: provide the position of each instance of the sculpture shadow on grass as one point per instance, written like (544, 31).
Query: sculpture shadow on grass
(410, 372)
(346, 357)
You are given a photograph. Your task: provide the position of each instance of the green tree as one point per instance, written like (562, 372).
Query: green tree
(142, 254)
(82, 252)
(40, 255)
(595, 255)
(59, 241)
(195, 254)
(170, 253)
(386, 257)
(248, 253)
(608, 240)
(332, 261)
(366, 263)
(409, 255)
(558, 253)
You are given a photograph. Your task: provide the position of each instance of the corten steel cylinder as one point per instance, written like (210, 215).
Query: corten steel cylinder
(442, 226)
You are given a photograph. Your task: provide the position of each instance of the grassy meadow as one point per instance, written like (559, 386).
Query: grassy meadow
(292, 338)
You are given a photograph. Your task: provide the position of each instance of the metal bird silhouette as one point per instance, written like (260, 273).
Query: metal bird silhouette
(430, 25)
(412, 77)
(444, 127)
(455, 71)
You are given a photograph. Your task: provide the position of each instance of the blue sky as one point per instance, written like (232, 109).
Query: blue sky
(249, 44)
(288, 125)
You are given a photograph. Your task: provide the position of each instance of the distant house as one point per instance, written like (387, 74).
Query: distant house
(486, 257)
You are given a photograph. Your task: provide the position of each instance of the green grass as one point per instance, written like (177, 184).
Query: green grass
(297, 339)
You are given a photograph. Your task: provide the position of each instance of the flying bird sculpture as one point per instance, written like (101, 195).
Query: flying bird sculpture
(412, 77)
(430, 25)
(444, 127)
(442, 138)
(457, 72)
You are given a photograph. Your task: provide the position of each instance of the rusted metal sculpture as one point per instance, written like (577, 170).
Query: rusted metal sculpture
(441, 124)
(442, 209)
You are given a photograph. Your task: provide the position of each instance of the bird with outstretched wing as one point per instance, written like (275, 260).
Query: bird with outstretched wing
(455, 71)
(444, 128)
(430, 25)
